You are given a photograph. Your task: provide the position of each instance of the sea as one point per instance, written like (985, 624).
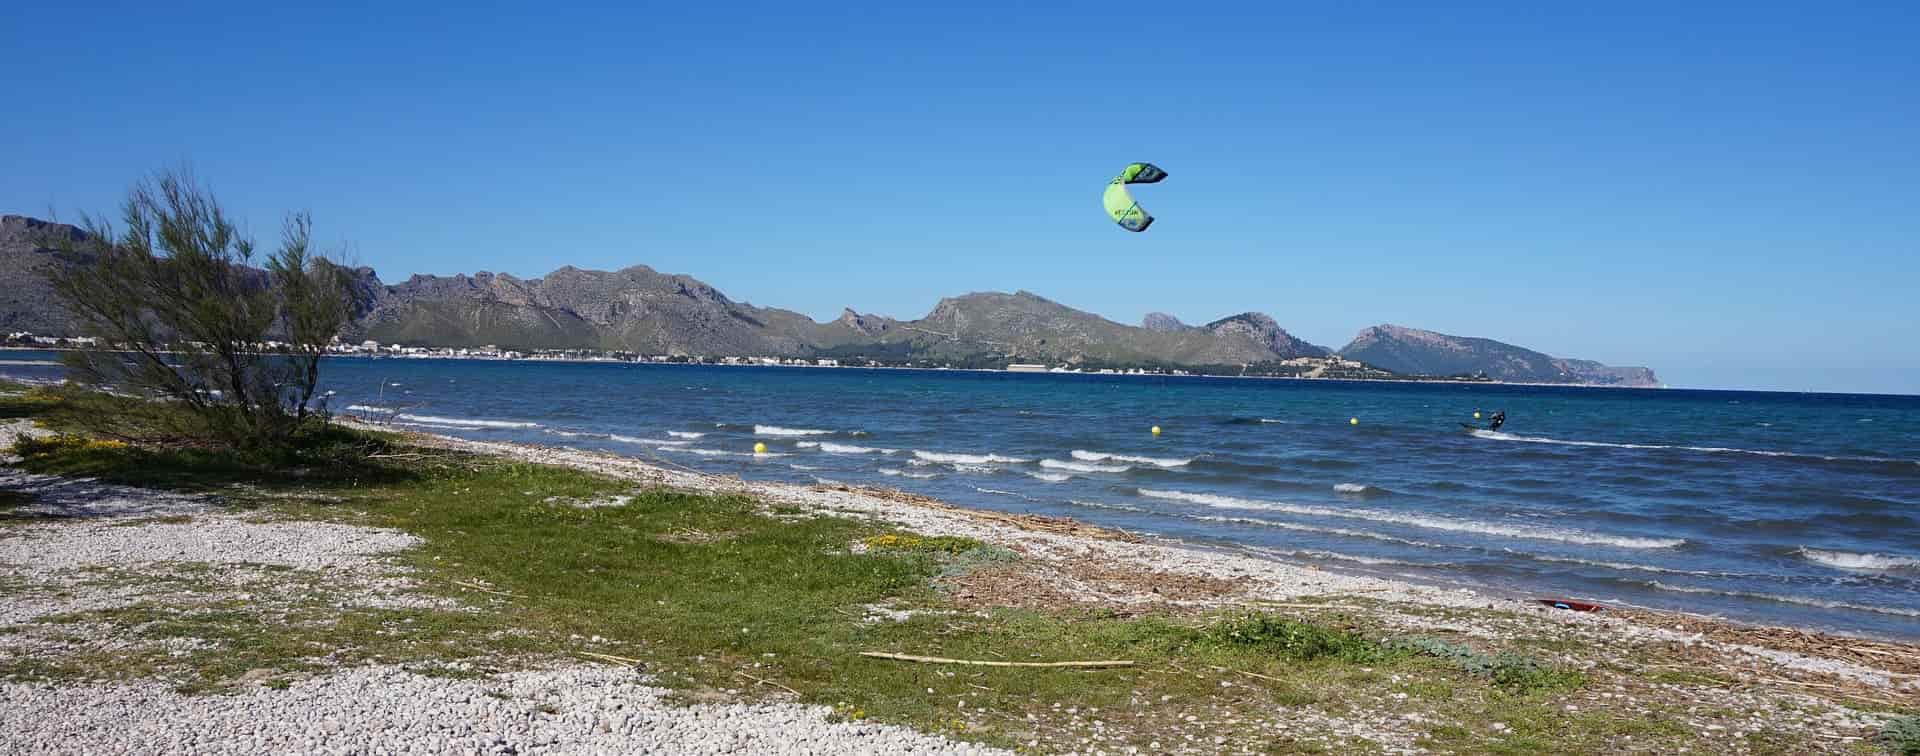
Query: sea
(1798, 509)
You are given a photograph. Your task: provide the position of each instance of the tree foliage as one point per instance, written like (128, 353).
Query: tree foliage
(232, 351)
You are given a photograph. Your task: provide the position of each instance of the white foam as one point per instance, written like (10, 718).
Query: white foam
(1050, 477)
(975, 469)
(1622, 565)
(1091, 456)
(1499, 436)
(1800, 600)
(722, 452)
(645, 441)
(1083, 467)
(998, 492)
(1298, 528)
(466, 423)
(685, 434)
(948, 458)
(775, 430)
(803, 468)
(1847, 560)
(1353, 488)
(367, 408)
(833, 448)
(906, 474)
(1421, 521)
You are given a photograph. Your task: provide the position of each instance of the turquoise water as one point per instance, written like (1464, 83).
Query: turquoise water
(1799, 509)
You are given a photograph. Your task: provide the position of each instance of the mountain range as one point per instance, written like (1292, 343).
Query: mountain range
(638, 309)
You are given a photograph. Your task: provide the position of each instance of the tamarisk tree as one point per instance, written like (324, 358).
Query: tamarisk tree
(181, 316)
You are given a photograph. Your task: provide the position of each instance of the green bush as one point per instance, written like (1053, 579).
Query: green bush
(1510, 671)
(1293, 639)
(1901, 736)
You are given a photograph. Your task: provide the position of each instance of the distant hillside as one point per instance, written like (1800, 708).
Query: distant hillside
(1411, 351)
(639, 309)
(26, 298)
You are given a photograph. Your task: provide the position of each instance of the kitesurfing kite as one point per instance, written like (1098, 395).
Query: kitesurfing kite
(1121, 205)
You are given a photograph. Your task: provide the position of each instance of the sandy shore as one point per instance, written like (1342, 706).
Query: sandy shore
(1822, 690)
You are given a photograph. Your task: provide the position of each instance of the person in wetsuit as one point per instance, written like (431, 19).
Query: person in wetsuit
(1499, 418)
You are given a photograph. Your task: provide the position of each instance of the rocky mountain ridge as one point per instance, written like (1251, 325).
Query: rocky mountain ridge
(639, 309)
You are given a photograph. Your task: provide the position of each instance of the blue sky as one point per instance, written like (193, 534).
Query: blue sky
(1727, 192)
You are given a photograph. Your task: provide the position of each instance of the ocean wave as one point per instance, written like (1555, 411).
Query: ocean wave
(1500, 436)
(1357, 488)
(1050, 477)
(1299, 528)
(466, 423)
(999, 492)
(1421, 521)
(833, 448)
(803, 468)
(974, 469)
(1622, 565)
(1091, 456)
(685, 434)
(1897, 611)
(907, 474)
(721, 452)
(948, 458)
(645, 441)
(1337, 556)
(775, 430)
(367, 408)
(1861, 562)
(1083, 467)
(1107, 505)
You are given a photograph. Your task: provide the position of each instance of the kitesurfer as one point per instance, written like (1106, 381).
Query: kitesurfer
(1499, 418)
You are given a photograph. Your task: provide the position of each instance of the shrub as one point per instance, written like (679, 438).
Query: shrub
(1510, 671)
(180, 316)
(1901, 736)
(1291, 638)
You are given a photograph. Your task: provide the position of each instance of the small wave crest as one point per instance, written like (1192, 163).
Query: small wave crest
(1500, 436)
(1050, 477)
(949, 458)
(775, 430)
(459, 422)
(367, 408)
(1092, 456)
(685, 434)
(1898, 611)
(1421, 521)
(891, 472)
(1847, 560)
(1359, 489)
(645, 441)
(833, 448)
(1083, 467)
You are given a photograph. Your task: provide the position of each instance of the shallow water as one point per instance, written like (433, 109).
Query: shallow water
(1799, 509)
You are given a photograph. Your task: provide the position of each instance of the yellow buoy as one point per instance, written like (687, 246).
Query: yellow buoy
(759, 448)
(1476, 414)
(1353, 421)
(1156, 430)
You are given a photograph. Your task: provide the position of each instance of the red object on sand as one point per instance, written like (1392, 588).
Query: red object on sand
(1570, 604)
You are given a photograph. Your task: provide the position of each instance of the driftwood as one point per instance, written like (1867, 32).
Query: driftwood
(484, 589)
(766, 682)
(988, 663)
(611, 657)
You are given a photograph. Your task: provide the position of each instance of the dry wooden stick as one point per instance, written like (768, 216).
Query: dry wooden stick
(1250, 674)
(984, 663)
(766, 682)
(611, 657)
(478, 587)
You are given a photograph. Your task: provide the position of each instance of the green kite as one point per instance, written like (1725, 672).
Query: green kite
(1121, 205)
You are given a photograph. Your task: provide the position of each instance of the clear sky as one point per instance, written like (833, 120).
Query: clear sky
(1727, 192)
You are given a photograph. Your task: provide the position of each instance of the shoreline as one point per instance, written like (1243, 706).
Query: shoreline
(1065, 538)
(323, 618)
